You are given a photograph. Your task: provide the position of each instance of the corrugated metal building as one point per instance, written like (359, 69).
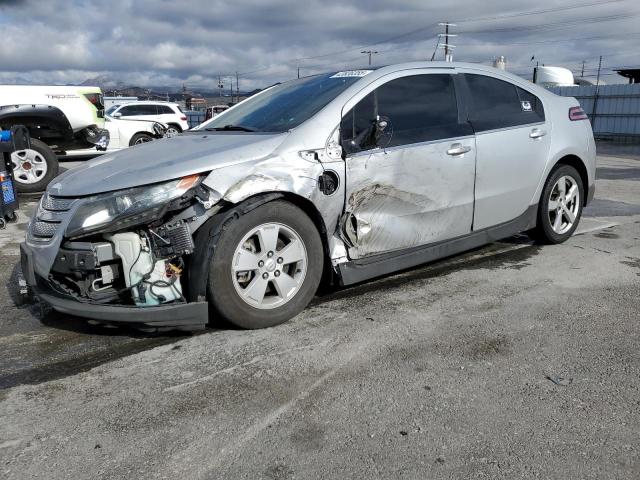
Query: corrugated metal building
(614, 110)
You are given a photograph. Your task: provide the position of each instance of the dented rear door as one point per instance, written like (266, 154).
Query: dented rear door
(418, 189)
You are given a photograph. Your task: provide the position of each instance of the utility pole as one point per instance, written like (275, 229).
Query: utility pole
(595, 96)
(599, 67)
(298, 71)
(368, 52)
(582, 71)
(237, 88)
(448, 48)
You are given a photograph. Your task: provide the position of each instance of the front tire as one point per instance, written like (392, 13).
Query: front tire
(140, 138)
(34, 168)
(266, 266)
(560, 207)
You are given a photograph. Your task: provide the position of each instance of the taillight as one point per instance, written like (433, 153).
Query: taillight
(183, 118)
(576, 113)
(96, 101)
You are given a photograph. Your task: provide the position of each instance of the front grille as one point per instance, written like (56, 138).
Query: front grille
(49, 215)
(43, 229)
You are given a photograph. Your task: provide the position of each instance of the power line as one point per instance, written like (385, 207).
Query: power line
(556, 40)
(538, 12)
(553, 26)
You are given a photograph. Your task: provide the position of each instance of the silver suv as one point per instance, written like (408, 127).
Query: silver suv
(338, 178)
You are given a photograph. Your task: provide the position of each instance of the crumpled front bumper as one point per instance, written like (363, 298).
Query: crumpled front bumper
(186, 316)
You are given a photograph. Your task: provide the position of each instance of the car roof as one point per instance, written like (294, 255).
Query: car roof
(149, 102)
(455, 66)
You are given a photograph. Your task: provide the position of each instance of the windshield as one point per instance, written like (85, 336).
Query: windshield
(284, 106)
(111, 109)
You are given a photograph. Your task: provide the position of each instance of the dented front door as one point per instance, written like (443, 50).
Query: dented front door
(409, 193)
(408, 197)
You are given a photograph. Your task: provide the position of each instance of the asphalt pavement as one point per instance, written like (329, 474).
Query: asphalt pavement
(512, 361)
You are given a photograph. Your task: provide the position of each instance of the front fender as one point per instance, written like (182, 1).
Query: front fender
(236, 183)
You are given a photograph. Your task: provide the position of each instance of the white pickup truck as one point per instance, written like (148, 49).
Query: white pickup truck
(59, 119)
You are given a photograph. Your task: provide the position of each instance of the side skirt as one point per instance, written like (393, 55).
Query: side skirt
(363, 269)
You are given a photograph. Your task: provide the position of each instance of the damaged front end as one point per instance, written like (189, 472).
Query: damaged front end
(120, 257)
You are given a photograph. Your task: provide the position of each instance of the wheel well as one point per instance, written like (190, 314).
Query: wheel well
(175, 125)
(577, 163)
(42, 121)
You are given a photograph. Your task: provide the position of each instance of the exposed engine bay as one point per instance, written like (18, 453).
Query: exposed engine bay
(142, 265)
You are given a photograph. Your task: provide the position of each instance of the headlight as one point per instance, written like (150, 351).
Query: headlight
(117, 210)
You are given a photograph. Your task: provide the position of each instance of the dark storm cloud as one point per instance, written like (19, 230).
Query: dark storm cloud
(160, 42)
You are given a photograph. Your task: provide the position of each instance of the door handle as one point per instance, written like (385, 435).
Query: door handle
(537, 133)
(458, 149)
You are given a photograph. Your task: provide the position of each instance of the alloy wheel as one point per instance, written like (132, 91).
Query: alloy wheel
(564, 204)
(269, 266)
(172, 132)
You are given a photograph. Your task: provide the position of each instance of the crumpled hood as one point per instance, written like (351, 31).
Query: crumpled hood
(163, 160)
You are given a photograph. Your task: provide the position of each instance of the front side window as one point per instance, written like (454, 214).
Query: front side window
(419, 108)
(494, 104)
(284, 106)
(129, 110)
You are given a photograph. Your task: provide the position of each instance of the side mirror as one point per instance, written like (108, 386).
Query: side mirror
(116, 115)
(383, 131)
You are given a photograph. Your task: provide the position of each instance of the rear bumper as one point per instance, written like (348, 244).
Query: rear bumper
(185, 316)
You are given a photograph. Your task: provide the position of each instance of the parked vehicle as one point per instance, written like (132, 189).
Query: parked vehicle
(125, 133)
(214, 111)
(58, 119)
(169, 114)
(340, 177)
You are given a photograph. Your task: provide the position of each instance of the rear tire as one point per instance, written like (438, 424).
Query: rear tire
(266, 266)
(560, 206)
(34, 168)
(173, 130)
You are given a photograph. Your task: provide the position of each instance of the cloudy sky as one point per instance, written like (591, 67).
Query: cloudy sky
(170, 42)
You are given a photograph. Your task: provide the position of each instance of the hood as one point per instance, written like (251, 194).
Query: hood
(164, 160)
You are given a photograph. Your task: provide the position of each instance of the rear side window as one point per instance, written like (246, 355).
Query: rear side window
(148, 110)
(534, 103)
(420, 108)
(165, 110)
(497, 104)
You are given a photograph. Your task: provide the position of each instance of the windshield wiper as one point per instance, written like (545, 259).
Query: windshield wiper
(231, 128)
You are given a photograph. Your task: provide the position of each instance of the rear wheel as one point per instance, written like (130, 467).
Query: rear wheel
(173, 130)
(266, 267)
(34, 168)
(560, 207)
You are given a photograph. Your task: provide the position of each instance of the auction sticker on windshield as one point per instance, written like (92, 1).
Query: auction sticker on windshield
(351, 73)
